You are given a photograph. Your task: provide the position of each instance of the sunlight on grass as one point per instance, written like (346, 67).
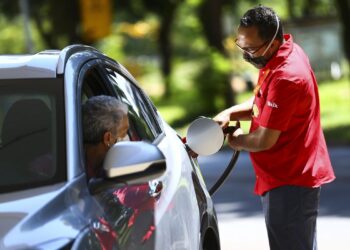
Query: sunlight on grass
(335, 111)
(335, 104)
(184, 73)
(171, 113)
(245, 125)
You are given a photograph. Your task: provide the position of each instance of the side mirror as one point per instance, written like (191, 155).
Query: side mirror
(135, 160)
(130, 162)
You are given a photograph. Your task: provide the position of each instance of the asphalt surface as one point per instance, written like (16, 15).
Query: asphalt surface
(239, 210)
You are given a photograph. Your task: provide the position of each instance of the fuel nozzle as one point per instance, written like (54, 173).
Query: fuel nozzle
(230, 129)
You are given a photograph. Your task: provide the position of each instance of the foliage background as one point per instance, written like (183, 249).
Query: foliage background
(181, 51)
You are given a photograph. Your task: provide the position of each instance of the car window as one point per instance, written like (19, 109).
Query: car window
(92, 84)
(31, 133)
(144, 125)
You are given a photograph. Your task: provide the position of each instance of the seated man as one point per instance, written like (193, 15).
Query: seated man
(105, 122)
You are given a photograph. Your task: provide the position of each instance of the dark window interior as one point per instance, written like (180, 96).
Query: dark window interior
(32, 133)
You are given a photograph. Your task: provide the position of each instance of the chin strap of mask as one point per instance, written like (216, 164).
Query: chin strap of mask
(274, 36)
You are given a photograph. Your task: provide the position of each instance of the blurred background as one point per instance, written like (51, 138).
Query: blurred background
(182, 52)
(183, 55)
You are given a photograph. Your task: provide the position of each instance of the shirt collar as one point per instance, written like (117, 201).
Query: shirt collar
(282, 53)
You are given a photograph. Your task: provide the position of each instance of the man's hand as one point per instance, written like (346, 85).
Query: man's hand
(241, 112)
(223, 119)
(232, 138)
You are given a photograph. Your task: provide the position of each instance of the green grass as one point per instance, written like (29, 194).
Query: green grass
(335, 104)
(335, 111)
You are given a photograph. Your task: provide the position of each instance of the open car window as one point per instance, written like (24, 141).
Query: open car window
(143, 125)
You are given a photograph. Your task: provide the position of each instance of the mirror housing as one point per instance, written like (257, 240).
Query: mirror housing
(129, 160)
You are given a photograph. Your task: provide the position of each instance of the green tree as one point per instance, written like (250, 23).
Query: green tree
(309, 8)
(56, 21)
(213, 80)
(166, 12)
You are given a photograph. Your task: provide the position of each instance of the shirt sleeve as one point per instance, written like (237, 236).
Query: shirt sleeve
(281, 103)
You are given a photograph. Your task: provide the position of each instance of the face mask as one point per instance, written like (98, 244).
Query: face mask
(125, 138)
(258, 62)
(261, 61)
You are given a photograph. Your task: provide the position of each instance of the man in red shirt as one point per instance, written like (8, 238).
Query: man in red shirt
(285, 141)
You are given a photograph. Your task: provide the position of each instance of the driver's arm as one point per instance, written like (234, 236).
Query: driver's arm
(259, 140)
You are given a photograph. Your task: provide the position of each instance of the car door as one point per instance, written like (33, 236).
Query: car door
(128, 219)
(177, 217)
(161, 214)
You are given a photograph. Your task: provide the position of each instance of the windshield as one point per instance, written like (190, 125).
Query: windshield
(31, 133)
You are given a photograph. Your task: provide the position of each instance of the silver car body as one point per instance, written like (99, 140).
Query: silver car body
(55, 216)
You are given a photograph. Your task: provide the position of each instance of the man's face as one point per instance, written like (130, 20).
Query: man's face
(255, 50)
(123, 128)
(249, 41)
(119, 133)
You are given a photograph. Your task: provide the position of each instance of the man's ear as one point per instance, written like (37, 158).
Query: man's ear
(276, 43)
(107, 138)
(274, 46)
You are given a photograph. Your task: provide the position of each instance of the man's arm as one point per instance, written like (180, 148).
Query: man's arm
(240, 112)
(259, 140)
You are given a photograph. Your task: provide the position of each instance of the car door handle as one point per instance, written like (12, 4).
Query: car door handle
(155, 188)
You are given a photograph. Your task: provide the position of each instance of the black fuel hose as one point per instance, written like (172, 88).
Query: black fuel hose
(225, 174)
(229, 167)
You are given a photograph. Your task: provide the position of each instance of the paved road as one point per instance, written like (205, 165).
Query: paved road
(239, 211)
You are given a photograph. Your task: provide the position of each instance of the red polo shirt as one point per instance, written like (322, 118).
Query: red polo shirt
(288, 101)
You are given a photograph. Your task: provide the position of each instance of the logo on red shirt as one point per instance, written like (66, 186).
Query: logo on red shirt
(272, 104)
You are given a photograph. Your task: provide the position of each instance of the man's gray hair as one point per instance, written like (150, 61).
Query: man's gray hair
(101, 114)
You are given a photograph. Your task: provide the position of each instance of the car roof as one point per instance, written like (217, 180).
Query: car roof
(41, 65)
(45, 64)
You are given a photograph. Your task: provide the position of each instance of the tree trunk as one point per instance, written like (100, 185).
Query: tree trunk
(344, 10)
(46, 36)
(291, 9)
(62, 31)
(210, 14)
(309, 8)
(68, 27)
(165, 46)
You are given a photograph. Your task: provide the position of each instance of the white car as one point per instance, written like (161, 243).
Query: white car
(46, 201)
